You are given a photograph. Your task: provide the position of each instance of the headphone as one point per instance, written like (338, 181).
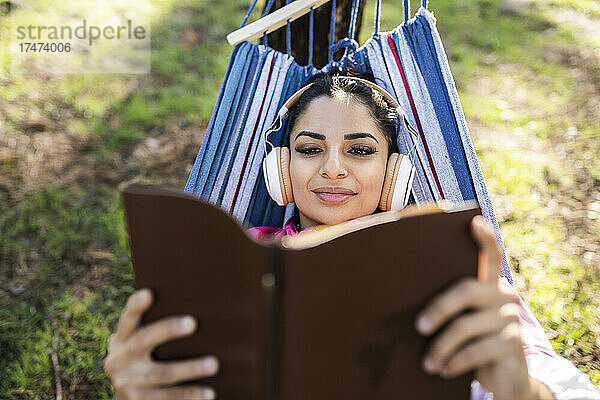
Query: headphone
(399, 175)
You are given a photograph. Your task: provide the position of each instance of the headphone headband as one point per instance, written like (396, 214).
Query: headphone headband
(284, 111)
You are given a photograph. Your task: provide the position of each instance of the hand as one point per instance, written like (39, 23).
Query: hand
(486, 340)
(129, 364)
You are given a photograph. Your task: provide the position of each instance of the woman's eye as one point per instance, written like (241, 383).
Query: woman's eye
(308, 150)
(362, 150)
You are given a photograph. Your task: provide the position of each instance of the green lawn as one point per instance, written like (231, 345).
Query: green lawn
(528, 77)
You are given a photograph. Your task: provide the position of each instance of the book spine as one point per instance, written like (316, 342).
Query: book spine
(275, 281)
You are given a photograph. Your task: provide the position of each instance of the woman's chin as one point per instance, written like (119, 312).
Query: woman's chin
(330, 218)
(333, 214)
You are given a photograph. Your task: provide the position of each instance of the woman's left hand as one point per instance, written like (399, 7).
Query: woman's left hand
(486, 340)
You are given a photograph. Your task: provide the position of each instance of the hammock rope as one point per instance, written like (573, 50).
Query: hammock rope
(331, 32)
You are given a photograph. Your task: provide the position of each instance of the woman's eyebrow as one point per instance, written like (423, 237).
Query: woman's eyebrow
(348, 136)
(359, 135)
(311, 134)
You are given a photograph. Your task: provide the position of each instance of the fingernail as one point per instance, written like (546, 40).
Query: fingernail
(424, 324)
(478, 222)
(142, 296)
(210, 363)
(208, 394)
(187, 323)
(429, 365)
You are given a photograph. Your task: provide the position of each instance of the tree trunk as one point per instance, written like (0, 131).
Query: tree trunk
(322, 18)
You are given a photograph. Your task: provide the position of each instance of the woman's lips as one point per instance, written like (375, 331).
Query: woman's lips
(334, 195)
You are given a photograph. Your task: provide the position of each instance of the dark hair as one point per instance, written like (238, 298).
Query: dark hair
(333, 83)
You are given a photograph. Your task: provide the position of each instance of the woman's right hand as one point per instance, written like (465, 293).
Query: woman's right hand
(133, 372)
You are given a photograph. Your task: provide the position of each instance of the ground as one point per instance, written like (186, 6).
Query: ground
(528, 75)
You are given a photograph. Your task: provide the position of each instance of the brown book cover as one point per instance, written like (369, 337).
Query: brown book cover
(321, 317)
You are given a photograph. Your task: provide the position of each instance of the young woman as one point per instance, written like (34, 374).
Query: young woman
(341, 133)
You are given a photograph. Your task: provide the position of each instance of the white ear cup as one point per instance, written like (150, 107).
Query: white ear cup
(402, 187)
(397, 183)
(271, 174)
(276, 172)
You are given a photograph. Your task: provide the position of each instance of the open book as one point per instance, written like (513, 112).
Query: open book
(327, 315)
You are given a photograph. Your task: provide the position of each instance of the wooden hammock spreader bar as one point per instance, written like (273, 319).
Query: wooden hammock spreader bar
(273, 21)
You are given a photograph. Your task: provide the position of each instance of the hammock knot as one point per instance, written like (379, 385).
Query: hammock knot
(346, 43)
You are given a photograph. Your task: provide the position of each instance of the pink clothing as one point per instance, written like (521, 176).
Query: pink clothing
(291, 227)
(563, 379)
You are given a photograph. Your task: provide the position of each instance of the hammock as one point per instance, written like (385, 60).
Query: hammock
(409, 62)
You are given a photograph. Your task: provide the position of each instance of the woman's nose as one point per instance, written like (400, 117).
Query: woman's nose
(333, 167)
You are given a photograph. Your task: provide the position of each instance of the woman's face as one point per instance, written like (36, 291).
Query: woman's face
(338, 158)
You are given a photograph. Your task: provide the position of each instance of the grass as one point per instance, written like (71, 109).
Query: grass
(47, 246)
(527, 90)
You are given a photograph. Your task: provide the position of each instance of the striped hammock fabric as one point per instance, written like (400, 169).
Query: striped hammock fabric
(409, 62)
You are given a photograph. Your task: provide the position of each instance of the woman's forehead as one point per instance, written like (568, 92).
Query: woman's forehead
(337, 117)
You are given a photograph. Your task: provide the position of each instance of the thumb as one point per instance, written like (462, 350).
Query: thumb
(490, 256)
